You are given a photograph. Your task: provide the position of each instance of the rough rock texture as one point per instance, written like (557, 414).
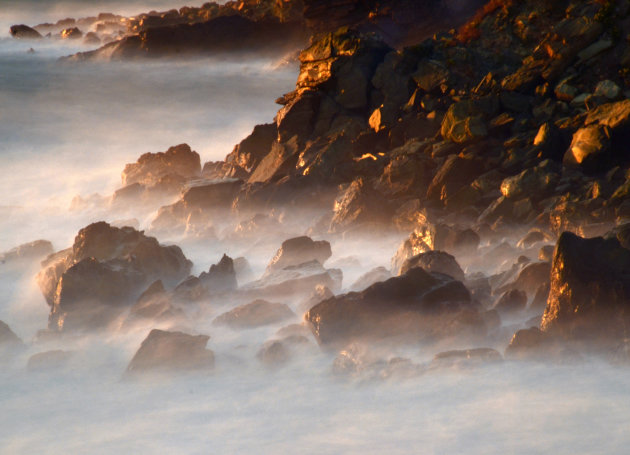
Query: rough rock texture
(103, 273)
(151, 167)
(434, 261)
(163, 351)
(417, 306)
(590, 290)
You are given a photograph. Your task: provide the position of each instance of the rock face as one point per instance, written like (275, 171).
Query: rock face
(103, 273)
(151, 167)
(299, 250)
(163, 351)
(255, 314)
(590, 290)
(417, 307)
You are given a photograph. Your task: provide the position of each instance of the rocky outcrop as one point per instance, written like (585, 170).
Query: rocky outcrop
(103, 273)
(299, 250)
(24, 32)
(171, 352)
(590, 290)
(221, 277)
(415, 307)
(28, 252)
(435, 261)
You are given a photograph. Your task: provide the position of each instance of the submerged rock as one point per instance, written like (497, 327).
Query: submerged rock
(163, 351)
(255, 314)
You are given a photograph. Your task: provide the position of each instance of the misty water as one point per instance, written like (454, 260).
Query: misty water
(67, 130)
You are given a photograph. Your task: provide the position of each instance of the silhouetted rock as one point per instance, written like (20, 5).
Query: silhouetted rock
(221, 277)
(163, 351)
(366, 280)
(24, 32)
(9, 341)
(299, 250)
(511, 302)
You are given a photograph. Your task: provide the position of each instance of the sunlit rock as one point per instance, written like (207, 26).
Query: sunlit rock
(163, 352)
(255, 314)
(590, 290)
(415, 307)
(71, 33)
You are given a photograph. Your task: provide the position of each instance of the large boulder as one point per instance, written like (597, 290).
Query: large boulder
(151, 167)
(299, 250)
(221, 277)
(463, 122)
(590, 290)
(415, 307)
(589, 149)
(359, 205)
(103, 273)
(163, 351)
(251, 150)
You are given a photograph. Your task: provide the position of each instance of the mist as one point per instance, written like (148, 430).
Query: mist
(68, 129)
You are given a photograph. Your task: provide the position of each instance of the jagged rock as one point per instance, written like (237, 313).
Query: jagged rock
(430, 75)
(221, 277)
(463, 122)
(48, 360)
(24, 32)
(8, 339)
(534, 183)
(589, 149)
(454, 176)
(151, 167)
(190, 290)
(31, 251)
(103, 273)
(615, 116)
(590, 290)
(434, 261)
(255, 314)
(511, 302)
(251, 150)
(163, 351)
(294, 281)
(154, 304)
(417, 306)
(299, 250)
(359, 204)
(366, 280)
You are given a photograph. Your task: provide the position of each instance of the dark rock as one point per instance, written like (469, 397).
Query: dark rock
(251, 150)
(434, 261)
(221, 277)
(463, 122)
(589, 149)
(299, 250)
(529, 343)
(454, 176)
(416, 307)
(163, 351)
(590, 290)
(24, 32)
(154, 304)
(511, 302)
(255, 314)
(546, 253)
(71, 33)
(151, 167)
(360, 204)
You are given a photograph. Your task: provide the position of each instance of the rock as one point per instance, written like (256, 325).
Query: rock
(255, 314)
(8, 340)
(463, 123)
(565, 91)
(103, 273)
(191, 290)
(546, 253)
(151, 167)
(163, 351)
(608, 89)
(32, 251)
(243, 270)
(435, 261)
(251, 150)
(71, 33)
(511, 302)
(590, 290)
(24, 32)
(273, 353)
(221, 277)
(297, 280)
(48, 360)
(467, 358)
(453, 177)
(535, 183)
(366, 280)
(430, 75)
(154, 304)
(594, 49)
(529, 344)
(589, 149)
(299, 250)
(415, 307)
(360, 204)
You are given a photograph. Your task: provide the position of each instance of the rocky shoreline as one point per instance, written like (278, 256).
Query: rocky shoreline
(499, 149)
